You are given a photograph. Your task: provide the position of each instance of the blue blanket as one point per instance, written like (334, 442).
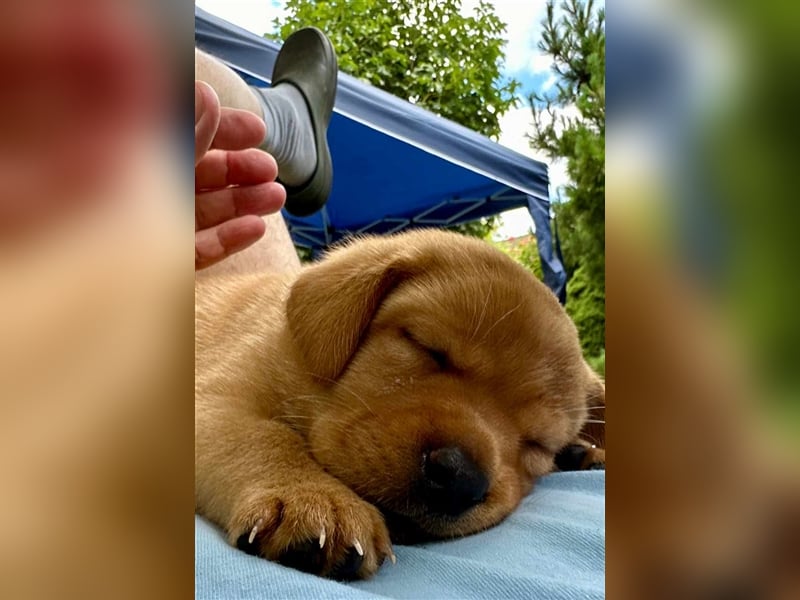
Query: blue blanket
(551, 547)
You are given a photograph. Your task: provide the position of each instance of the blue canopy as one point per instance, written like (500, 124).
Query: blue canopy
(395, 164)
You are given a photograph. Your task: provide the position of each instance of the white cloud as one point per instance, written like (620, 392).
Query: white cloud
(540, 63)
(523, 20)
(547, 85)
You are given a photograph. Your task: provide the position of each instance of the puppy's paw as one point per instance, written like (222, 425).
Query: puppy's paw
(321, 528)
(580, 457)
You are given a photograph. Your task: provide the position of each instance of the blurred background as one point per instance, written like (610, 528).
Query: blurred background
(703, 331)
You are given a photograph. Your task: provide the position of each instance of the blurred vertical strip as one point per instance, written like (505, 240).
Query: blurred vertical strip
(96, 299)
(704, 334)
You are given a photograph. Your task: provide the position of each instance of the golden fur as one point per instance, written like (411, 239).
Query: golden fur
(317, 395)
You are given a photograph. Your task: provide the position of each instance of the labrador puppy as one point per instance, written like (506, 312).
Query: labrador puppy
(408, 387)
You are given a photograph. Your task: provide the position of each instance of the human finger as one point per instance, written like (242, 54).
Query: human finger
(221, 168)
(214, 244)
(215, 207)
(238, 129)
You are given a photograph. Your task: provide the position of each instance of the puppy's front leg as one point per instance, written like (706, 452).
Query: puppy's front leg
(255, 479)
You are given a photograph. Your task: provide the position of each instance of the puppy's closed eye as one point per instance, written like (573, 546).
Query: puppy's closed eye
(439, 357)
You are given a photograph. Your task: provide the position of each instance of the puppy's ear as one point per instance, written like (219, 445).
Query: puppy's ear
(594, 431)
(332, 303)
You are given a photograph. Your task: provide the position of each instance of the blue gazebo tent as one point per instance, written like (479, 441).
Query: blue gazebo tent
(397, 165)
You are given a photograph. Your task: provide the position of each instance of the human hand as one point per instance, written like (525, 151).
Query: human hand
(234, 181)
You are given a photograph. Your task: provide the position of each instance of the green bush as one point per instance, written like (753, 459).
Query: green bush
(598, 363)
(586, 306)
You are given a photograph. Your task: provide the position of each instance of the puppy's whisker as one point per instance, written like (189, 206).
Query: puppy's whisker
(344, 388)
(345, 405)
(483, 311)
(598, 422)
(339, 422)
(305, 422)
(360, 399)
(496, 323)
(563, 411)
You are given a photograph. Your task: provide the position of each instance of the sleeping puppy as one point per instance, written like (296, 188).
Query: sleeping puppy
(422, 381)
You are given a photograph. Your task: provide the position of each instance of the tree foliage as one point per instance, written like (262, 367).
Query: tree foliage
(570, 124)
(586, 306)
(424, 51)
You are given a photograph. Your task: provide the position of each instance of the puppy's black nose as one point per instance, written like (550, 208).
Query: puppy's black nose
(452, 482)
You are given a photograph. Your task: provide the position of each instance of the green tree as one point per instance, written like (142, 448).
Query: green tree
(424, 51)
(570, 124)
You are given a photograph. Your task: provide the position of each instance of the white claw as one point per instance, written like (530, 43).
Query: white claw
(392, 558)
(322, 538)
(253, 533)
(358, 548)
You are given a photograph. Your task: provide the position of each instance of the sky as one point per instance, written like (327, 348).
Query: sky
(524, 62)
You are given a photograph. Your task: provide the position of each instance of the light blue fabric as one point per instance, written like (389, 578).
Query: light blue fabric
(552, 547)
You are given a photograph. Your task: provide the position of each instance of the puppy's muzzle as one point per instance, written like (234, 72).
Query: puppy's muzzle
(451, 481)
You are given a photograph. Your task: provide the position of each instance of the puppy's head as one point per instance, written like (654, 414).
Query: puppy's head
(452, 377)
